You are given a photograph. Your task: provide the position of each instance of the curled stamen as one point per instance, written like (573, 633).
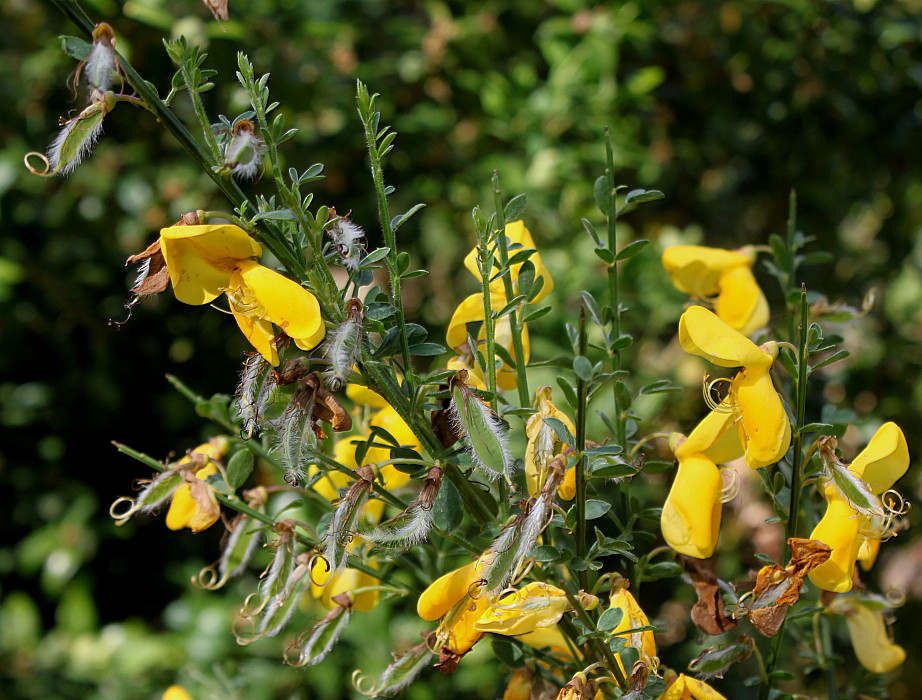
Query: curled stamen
(717, 404)
(207, 579)
(475, 590)
(732, 484)
(122, 517)
(363, 684)
(45, 172)
(895, 505)
(524, 567)
(896, 596)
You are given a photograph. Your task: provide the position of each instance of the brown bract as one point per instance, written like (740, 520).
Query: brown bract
(778, 587)
(157, 278)
(708, 613)
(448, 660)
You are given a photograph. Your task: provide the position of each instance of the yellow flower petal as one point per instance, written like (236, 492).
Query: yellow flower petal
(690, 520)
(765, 430)
(688, 688)
(185, 511)
(364, 396)
(550, 638)
(741, 303)
(201, 258)
(175, 692)
(519, 238)
(256, 329)
(632, 618)
(346, 581)
(285, 303)
(839, 528)
(469, 311)
(867, 552)
(884, 460)
(696, 269)
(534, 606)
(868, 633)
(451, 588)
(716, 437)
(702, 333)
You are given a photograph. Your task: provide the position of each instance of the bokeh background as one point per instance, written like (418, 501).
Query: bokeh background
(724, 106)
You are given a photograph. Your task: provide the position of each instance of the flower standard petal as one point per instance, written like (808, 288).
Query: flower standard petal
(201, 258)
(884, 460)
(286, 303)
(187, 511)
(765, 430)
(690, 520)
(741, 303)
(447, 590)
(696, 269)
(519, 238)
(703, 334)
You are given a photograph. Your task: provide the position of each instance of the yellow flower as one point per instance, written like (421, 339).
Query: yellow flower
(194, 504)
(690, 520)
(844, 529)
(519, 239)
(548, 638)
(207, 260)
(868, 632)
(688, 688)
(520, 684)
(544, 445)
(459, 598)
(756, 408)
(325, 586)
(470, 311)
(175, 692)
(726, 274)
(534, 606)
(632, 618)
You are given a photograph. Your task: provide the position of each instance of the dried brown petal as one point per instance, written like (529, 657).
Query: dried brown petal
(708, 613)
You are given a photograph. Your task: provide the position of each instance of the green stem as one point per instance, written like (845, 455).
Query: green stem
(614, 296)
(203, 120)
(390, 240)
(581, 414)
(489, 323)
(516, 328)
(800, 403)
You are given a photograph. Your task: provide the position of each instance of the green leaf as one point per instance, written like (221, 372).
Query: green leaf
(661, 570)
(605, 254)
(610, 468)
(602, 195)
(660, 386)
(835, 357)
(427, 349)
(414, 273)
(582, 367)
(402, 262)
(631, 249)
(545, 553)
(401, 219)
(375, 255)
(641, 196)
(239, 468)
(609, 619)
(379, 310)
(568, 393)
(514, 208)
(538, 313)
(596, 509)
(657, 466)
(75, 47)
(560, 430)
(276, 215)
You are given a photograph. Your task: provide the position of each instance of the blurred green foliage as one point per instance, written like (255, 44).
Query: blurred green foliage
(723, 106)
